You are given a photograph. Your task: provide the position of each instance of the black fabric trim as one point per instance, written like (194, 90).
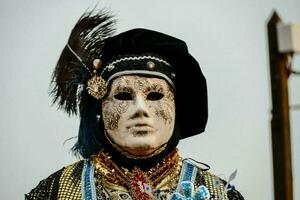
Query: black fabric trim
(54, 193)
(234, 195)
(43, 190)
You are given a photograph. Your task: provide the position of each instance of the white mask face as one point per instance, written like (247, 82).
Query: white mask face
(139, 114)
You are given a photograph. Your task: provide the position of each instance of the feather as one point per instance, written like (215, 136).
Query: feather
(74, 67)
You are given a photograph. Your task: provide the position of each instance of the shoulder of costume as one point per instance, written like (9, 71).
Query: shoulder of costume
(233, 194)
(204, 182)
(49, 187)
(217, 185)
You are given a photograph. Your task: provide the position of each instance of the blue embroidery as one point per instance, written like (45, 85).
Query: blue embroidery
(185, 187)
(186, 192)
(188, 173)
(189, 168)
(88, 183)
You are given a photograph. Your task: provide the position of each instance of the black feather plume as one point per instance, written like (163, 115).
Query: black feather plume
(74, 66)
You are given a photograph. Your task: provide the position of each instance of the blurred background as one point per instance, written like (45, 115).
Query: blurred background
(228, 38)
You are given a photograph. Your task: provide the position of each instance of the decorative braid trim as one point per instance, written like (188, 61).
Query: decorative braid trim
(135, 58)
(139, 58)
(128, 72)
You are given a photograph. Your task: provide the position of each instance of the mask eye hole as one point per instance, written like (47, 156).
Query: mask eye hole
(155, 96)
(124, 96)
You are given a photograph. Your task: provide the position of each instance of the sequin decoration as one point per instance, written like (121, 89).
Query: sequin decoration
(140, 184)
(186, 192)
(177, 196)
(187, 188)
(201, 193)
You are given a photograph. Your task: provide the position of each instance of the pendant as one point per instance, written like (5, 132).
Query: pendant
(140, 186)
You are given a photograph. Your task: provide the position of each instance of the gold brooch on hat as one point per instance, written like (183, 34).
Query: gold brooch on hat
(97, 86)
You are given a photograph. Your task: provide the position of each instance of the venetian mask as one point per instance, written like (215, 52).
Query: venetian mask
(139, 114)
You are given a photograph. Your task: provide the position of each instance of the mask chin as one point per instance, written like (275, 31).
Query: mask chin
(124, 159)
(130, 155)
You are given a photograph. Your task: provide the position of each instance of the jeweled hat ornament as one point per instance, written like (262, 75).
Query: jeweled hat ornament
(94, 56)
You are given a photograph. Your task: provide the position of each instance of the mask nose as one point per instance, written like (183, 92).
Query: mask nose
(141, 109)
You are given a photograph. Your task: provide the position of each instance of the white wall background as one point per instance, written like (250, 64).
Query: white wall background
(228, 38)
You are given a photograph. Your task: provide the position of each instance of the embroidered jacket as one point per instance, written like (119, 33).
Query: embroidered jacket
(75, 182)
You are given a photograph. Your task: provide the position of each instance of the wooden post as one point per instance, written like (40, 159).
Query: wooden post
(281, 142)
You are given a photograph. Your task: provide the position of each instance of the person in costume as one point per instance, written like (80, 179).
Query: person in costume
(137, 94)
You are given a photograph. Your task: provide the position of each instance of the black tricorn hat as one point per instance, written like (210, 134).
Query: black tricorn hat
(189, 82)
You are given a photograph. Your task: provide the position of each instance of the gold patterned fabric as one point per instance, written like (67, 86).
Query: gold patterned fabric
(69, 186)
(66, 184)
(44, 190)
(209, 180)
